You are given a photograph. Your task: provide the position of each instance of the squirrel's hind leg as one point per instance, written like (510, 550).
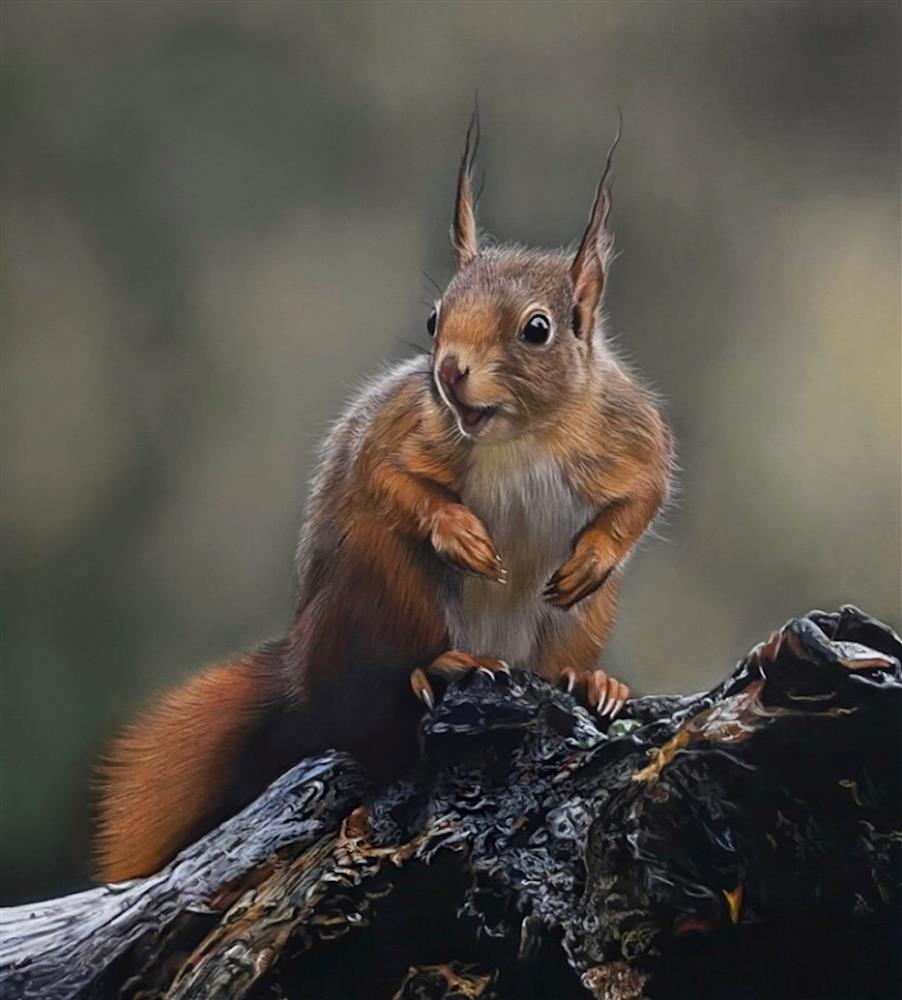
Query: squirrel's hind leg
(450, 666)
(571, 655)
(595, 690)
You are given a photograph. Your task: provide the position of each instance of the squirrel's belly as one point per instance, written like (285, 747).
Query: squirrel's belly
(533, 516)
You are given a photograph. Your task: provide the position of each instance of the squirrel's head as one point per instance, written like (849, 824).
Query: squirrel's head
(516, 332)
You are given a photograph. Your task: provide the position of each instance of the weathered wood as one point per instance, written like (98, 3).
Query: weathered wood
(746, 842)
(68, 947)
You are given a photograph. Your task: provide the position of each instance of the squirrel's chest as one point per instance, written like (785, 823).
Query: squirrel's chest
(532, 515)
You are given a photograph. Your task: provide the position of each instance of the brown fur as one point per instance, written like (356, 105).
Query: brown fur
(387, 535)
(158, 775)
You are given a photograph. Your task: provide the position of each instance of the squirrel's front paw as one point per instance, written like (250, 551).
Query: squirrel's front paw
(582, 574)
(460, 538)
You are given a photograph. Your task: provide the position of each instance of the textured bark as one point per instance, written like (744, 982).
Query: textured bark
(746, 842)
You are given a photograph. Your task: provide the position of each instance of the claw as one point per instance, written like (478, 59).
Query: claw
(486, 673)
(421, 687)
(618, 700)
(603, 700)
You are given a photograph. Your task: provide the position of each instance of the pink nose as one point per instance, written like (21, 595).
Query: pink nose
(449, 372)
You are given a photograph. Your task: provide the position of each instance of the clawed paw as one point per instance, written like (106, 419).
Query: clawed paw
(581, 575)
(450, 666)
(602, 695)
(461, 539)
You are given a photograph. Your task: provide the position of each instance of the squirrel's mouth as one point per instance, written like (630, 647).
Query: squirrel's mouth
(472, 419)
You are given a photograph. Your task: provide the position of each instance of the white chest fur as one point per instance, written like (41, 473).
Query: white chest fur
(532, 515)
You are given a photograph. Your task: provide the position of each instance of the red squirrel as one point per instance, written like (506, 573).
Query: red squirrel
(473, 509)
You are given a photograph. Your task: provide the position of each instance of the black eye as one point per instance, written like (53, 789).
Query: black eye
(430, 323)
(537, 330)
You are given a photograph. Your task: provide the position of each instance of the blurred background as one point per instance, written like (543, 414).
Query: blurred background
(215, 222)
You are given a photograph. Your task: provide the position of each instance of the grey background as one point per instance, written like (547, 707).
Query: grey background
(215, 217)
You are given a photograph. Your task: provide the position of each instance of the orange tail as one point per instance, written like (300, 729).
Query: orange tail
(184, 765)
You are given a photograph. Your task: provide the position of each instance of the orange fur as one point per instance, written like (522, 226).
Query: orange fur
(581, 651)
(170, 769)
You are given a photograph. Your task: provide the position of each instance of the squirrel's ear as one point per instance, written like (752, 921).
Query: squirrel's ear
(464, 238)
(590, 265)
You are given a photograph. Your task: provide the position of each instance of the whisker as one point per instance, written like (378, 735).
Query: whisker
(429, 277)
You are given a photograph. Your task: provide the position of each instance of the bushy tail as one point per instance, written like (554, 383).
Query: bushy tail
(200, 753)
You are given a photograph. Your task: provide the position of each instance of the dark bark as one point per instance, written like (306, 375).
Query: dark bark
(742, 843)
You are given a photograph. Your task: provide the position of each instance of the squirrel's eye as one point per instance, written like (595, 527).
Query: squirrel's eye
(537, 330)
(430, 323)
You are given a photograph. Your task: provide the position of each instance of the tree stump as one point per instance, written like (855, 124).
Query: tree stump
(742, 843)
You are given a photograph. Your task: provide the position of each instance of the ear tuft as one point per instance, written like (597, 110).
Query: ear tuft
(464, 238)
(588, 271)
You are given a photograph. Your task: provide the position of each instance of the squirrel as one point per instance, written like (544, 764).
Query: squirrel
(473, 510)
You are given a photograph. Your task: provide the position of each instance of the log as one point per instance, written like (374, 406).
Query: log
(745, 842)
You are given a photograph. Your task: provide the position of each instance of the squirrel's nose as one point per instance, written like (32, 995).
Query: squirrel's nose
(449, 370)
